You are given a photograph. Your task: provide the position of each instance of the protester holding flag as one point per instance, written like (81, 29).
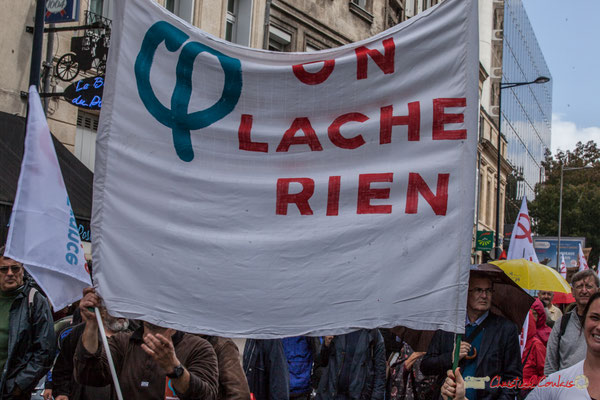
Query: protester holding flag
(566, 345)
(64, 386)
(490, 347)
(27, 343)
(154, 363)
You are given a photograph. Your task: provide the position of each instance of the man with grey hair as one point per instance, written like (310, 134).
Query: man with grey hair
(566, 345)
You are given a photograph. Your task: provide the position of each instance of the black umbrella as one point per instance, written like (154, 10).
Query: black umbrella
(509, 301)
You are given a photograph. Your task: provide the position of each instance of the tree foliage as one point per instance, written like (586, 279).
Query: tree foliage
(581, 197)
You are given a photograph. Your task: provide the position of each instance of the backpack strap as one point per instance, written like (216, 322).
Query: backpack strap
(564, 321)
(30, 299)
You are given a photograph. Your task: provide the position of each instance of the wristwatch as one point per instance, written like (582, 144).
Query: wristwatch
(177, 372)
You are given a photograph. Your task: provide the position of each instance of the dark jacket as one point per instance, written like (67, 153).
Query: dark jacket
(367, 369)
(266, 369)
(499, 355)
(62, 372)
(232, 381)
(134, 366)
(31, 344)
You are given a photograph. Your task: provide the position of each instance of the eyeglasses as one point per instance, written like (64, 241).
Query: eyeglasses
(479, 291)
(13, 268)
(582, 286)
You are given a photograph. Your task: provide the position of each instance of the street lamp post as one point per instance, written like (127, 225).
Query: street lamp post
(506, 85)
(560, 208)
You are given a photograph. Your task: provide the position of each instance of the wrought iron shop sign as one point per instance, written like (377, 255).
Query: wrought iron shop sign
(86, 93)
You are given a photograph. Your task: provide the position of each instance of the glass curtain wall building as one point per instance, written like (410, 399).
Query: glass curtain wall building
(526, 110)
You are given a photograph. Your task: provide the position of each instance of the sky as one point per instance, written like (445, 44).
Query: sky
(569, 33)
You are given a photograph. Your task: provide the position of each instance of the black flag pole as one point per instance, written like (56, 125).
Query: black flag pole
(38, 41)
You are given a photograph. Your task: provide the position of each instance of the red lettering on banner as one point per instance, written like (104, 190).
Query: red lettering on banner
(387, 120)
(384, 61)
(416, 185)
(333, 195)
(310, 138)
(314, 78)
(336, 137)
(366, 193)
(284, 197)
(440, 118)
(244, 138)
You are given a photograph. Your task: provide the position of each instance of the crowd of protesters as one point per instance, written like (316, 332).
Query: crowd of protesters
(153, 362)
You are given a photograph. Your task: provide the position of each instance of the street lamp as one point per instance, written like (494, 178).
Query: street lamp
(506, 85)
(560, 207)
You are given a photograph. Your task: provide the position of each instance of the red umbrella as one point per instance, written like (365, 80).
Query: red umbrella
(563, 298)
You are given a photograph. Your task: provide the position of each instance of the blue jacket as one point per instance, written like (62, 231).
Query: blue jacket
(299, 354)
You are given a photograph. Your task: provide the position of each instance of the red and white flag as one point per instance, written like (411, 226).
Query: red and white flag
(521, 242)
(583, 265)
(563, 267)
(43, 234)
(521, 246)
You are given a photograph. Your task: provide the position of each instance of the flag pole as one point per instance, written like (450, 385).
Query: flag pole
(108, 356)
(456, 353)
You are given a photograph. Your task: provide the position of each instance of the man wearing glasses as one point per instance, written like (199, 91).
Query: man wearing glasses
(27, 343)
(489, 350)
(566, 345)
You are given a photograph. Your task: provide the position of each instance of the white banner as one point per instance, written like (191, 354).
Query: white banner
(242, 192)
(43, 233)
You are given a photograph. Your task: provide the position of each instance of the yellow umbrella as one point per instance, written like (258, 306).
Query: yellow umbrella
(530, 275)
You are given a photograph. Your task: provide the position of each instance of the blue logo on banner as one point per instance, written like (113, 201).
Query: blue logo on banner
(177, 117)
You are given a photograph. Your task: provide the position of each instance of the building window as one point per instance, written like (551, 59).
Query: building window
(170, 5)
(85, 138)
(230, 24)
(184, 9)
(101, 7)
(238, 22)
(279, 40)
(362, 8)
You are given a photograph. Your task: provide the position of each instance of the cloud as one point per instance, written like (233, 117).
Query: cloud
(566, 134)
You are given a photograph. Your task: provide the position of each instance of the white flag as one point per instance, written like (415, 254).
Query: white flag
(583, 265)
(521, 243)
(523, 335)
(563, 267)
(43, 234)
